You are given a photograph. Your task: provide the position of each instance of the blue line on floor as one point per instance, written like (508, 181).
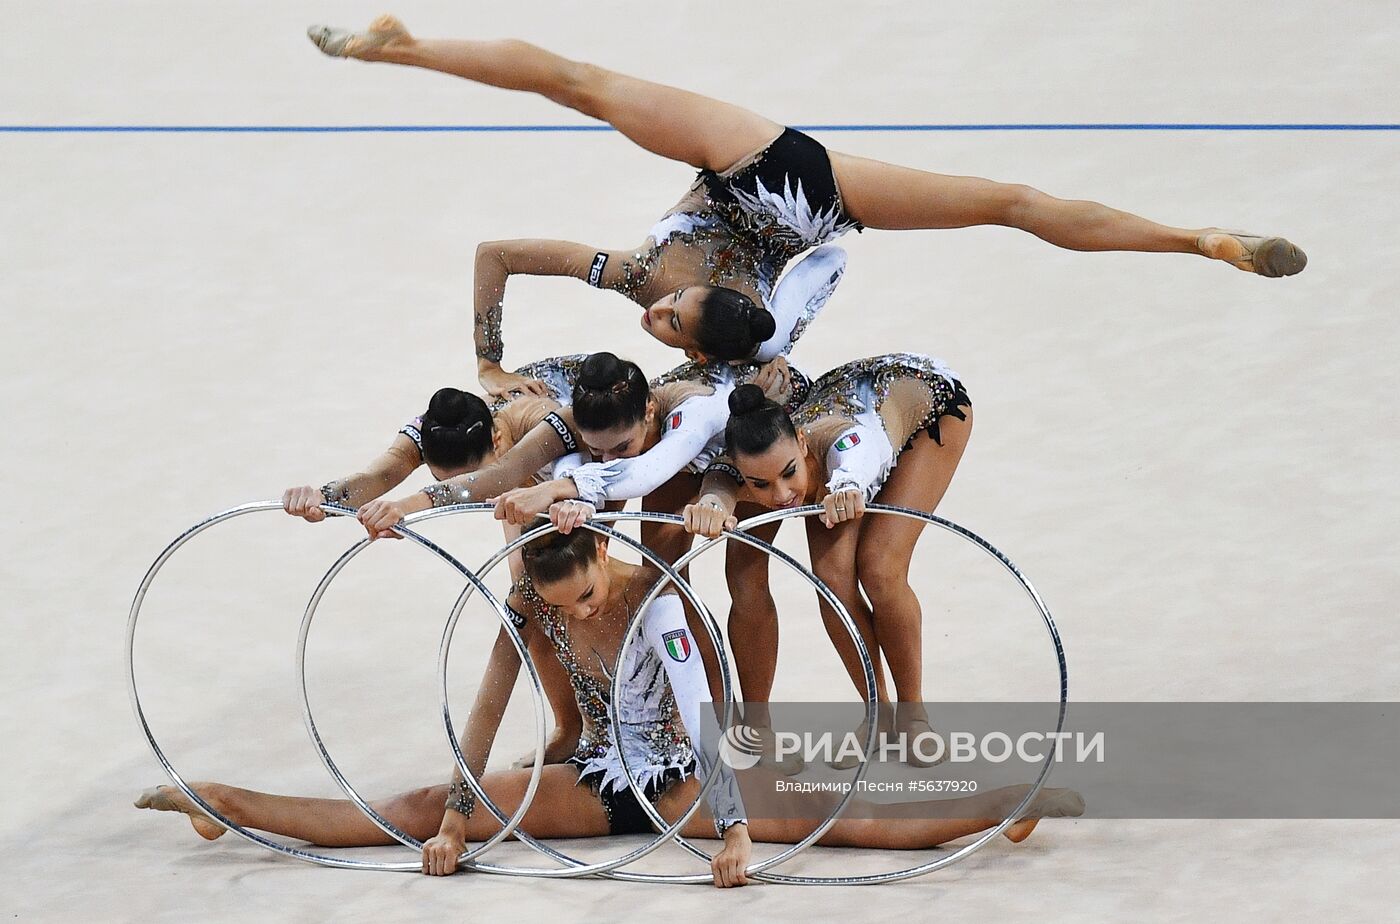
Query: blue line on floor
(911, 127)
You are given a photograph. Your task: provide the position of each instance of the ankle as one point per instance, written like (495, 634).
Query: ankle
(396, 51)
(220, 797)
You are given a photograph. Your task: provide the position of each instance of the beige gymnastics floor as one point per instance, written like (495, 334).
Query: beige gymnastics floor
(1195, 465)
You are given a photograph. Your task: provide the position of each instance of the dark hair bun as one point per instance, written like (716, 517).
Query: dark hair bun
(610, 392)
(761, 323)
(456, 429)
(449, 407)
(601, 371)
(746, 399)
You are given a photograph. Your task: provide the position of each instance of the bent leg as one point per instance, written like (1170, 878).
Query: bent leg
(891, 197)
(568, 724)
(676, 124)
(833, 553)
(886, 548)
(753, 618)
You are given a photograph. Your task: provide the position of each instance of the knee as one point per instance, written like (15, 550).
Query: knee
(579, 86)
(883, 578)
(749, 586)
(742, 563)
(747, 577)
(427, 797)
(667, 541)
(750, 606)
(1015, 202)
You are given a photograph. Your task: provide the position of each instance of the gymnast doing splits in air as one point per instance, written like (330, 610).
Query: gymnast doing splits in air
(764, 195)
(582, 601)
(889, 429)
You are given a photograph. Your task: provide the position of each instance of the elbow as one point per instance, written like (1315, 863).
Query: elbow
(491, 251)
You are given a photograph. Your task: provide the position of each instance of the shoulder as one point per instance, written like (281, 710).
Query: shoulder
(672, 395)
(624, 271)
(408, 442)
(824, 433)
(526, 601)
(641, 578)
(524, 414)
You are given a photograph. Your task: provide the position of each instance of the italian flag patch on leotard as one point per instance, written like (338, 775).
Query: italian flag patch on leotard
(674, 421)
(677, 644)
(849, 441)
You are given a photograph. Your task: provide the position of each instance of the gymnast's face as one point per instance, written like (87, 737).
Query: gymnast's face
(675, 320)
(625, 441)
(582, 592)
(778, 477)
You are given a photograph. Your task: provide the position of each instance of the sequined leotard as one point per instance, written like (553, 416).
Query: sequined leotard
(859, 417)
(691, 407)
(692, 433)
(664, 695)
(739, 229)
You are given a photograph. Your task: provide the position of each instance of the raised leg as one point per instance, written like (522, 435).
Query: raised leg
(888, 196)
(676, 124)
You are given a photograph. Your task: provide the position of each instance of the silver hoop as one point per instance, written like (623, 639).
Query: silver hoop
(871, 714)
(466, 860)
(966, 851)
(575, 867)
(175, 777)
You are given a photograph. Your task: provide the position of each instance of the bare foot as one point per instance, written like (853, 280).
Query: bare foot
(788, 764)
(1266, 256)
(171, 799)
(342, 43)
(913, 727)
(1048, 803)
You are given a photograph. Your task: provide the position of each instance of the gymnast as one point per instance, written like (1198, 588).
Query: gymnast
(581, 601)
(645, 436)
(841, 449)
(459, 433)
(764, 194)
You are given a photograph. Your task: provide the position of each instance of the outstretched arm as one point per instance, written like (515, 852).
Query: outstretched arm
(687, 437)
(665, 629)
(551, 438)
(382, 475)
(497, 261)
(502, 668)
